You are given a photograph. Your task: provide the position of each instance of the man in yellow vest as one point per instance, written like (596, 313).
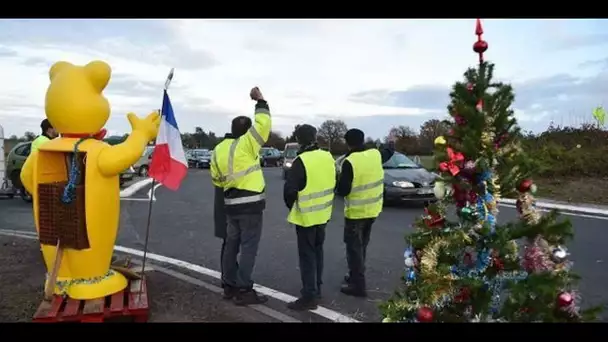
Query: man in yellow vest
(48, 133)
(236, 167)
(309, 193)
(361, 184)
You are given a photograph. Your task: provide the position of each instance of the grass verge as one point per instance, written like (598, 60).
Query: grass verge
(566, 189)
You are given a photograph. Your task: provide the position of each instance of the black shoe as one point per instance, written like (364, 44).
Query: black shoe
(302, 304)
(319, 295)
(229, 292)
(351, 290)
(346, 280)
(249, 297)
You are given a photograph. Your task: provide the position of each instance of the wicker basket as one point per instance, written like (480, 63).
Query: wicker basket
(60, 221)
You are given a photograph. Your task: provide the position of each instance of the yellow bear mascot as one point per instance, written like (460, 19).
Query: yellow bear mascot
(77, 109)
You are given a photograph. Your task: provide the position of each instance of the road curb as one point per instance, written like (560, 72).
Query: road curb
(283, 297)
(561, 207)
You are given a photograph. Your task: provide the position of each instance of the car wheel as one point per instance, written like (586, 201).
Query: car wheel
(279, 163)
(264, 163)
(143, 171)
(26, 196)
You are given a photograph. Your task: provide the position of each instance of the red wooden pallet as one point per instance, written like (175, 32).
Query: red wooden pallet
(127, 303)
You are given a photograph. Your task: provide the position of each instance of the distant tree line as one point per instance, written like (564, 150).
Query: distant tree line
(560, 151)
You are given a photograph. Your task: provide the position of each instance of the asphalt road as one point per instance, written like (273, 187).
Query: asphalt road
(182, 228)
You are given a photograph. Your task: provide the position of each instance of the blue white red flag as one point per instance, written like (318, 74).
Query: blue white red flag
(168, 165)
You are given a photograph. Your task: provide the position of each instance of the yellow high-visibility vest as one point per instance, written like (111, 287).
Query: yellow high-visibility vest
(315, 202)
(366, 195)
(41, 139)
(236, 165)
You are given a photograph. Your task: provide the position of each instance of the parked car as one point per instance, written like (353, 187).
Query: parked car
(199, 158)
(16, 158)
(404, 180)
(289, 154)
(270, 156)
(142, 165)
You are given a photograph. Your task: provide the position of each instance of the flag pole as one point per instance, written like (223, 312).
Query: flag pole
(143, 263)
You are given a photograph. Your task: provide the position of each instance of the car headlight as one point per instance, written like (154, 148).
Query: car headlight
(403, 184)
(287, 164)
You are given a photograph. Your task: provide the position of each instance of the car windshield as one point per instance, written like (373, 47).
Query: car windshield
(291, 153)
(400, 161)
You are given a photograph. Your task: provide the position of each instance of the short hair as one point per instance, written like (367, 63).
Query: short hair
(354, 137)
(306, 134)
(45, 125)
(240, 125)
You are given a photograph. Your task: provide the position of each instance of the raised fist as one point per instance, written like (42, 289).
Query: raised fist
(256, 94)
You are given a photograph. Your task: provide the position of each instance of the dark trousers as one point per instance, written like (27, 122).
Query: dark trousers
(221, 263)
(310, 253)
(243, 236)
(356, 236)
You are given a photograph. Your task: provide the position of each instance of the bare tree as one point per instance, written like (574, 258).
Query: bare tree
(275, 140)
(29, 136)
(332, 132)
(407, 139)
(430, 130)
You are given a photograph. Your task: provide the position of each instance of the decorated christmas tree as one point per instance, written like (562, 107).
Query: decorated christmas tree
(470, 268)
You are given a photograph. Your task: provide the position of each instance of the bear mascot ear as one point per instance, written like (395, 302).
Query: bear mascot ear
(99, 74)
(57, 68)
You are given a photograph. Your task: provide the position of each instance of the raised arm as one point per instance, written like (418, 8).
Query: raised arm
(258, 134)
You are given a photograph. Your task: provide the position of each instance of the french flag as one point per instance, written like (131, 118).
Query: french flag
(168, 165)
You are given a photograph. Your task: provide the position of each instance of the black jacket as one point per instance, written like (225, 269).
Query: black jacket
(296, 178)
(219, 213)
(345, 182)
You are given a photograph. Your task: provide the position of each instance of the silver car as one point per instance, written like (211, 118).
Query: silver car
(199, 158)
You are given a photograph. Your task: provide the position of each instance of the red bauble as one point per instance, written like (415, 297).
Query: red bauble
(425, 314)
(498, 264)
(564, 299)
(470, 86)
(463, 295)
(525, 185)
(480, 46)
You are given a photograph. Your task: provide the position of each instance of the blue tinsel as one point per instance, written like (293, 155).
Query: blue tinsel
(68, 192)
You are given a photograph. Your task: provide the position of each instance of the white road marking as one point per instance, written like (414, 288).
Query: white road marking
(153, 196)
(25, 236)
(136, 199)
(321, 311)
(194, 281)
(135, 187)
(562, 207)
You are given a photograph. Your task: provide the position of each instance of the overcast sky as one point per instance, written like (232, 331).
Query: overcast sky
(373, 74)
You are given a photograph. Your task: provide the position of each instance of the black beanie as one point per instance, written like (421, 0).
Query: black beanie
(354, 137)
(306, 134)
